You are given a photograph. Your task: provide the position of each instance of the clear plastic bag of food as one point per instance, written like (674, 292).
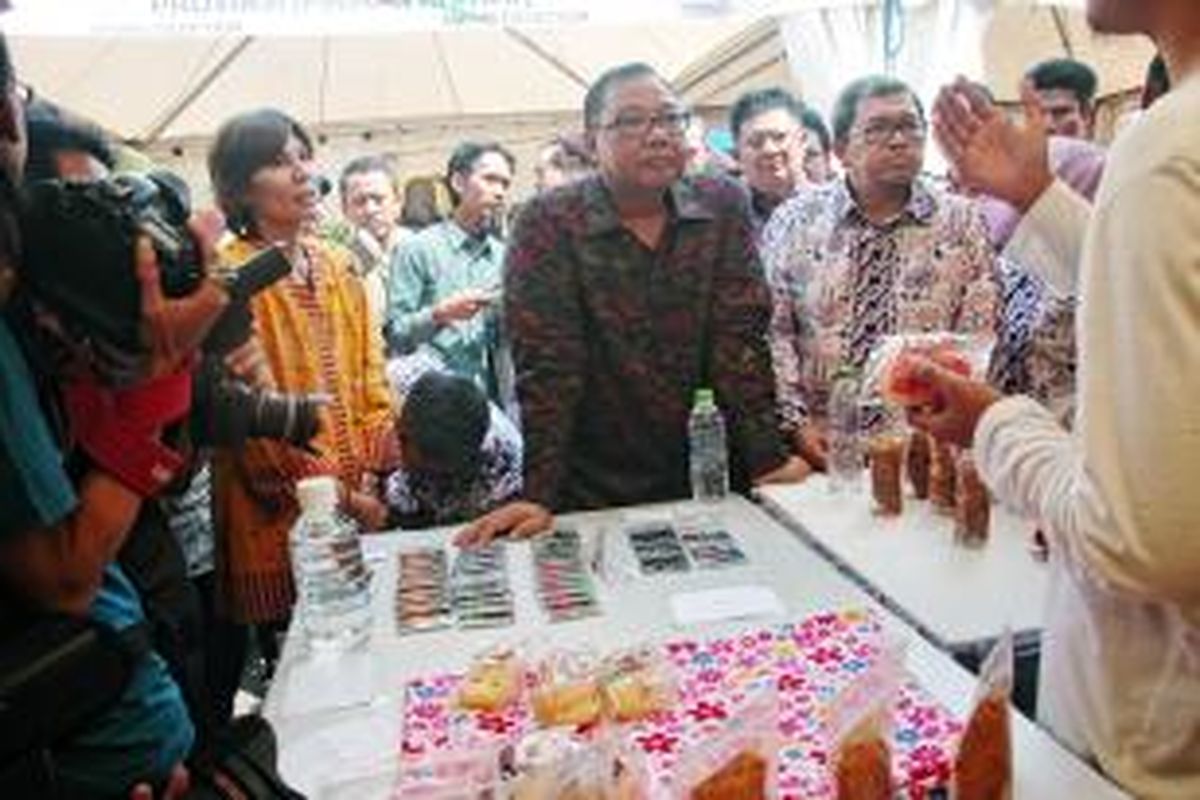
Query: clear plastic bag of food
(561, 764)
(636, 683)
(566, 689)
(741, 761)
(983, 766)
(494, 680)
(889, 376)
(473, 774)
(859, 730)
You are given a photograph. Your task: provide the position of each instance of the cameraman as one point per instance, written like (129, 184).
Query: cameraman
(75, 466)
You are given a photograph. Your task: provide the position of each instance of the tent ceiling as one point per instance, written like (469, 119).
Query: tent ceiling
(149, 88)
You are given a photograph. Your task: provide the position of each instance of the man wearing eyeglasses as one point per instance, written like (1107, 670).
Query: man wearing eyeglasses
(625, 292)
(876, 253)
(770, 136)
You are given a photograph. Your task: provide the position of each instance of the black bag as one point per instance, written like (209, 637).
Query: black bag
(240, 764)
(57, 673)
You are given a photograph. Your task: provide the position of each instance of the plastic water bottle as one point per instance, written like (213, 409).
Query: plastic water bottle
(332, 583)
(706, 449)
(845, 449)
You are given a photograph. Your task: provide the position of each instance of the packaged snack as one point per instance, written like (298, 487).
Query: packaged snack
(566, 690)
(983, 768)
(741, 761)
(493, 682)
(943, 476)
(886, 454)
(916, 463)
(636, 683)
(973, 505)
(564, 583)
(860, 731)
(422, 590)
(889, 373)
(463, 775)
(559, 764)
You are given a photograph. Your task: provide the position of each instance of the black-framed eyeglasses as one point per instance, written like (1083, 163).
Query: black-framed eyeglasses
(882, 130)
(638, 123)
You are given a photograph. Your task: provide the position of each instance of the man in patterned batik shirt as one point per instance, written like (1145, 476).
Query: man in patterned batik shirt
(878, 252)
(626, 292)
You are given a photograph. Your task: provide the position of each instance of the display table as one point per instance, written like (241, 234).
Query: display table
(960, 598)
(339, 717)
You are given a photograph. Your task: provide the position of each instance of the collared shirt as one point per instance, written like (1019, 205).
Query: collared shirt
(438, 262)
(1117, 497)
(372, 261)
(612, 338)
(840, 283)
(422, 499)
(316, 339)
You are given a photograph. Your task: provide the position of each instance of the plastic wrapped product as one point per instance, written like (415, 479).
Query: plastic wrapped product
(983, 766)
(636, 683)
(741, 761)
(916, 463)
(973, 506)
(886, 452)
(566, 690)
(860, 731)
(943, 477)
(493, 682)
(890, 376)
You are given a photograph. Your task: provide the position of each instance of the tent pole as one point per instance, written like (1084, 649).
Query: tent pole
(175, 111)
(1060, 25)
(548, 57)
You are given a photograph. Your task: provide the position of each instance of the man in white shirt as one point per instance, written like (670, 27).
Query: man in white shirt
(1121, 651)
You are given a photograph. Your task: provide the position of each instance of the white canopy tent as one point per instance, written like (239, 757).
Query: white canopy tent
(414, 89)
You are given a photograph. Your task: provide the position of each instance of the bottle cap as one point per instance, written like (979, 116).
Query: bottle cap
(317, 494)
(705, 397)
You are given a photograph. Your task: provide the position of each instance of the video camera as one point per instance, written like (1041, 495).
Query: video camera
(78, 241)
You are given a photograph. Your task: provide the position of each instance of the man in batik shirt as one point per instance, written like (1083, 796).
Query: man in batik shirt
(879, 252)
(625, 293)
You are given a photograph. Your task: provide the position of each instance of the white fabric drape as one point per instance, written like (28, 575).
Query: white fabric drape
(827, 48)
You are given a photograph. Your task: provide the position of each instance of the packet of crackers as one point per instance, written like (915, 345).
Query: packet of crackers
(494, 681)
(636, 683)
(890, 376)
(859, 730)
(983, 765)
(566, 689)
(740, 761)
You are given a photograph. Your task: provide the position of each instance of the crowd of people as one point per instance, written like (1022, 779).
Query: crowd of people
(478, 362)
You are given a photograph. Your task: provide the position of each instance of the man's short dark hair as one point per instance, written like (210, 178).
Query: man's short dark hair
(760, 101)
(1065, 73)
(814, 123)
(467, 154)
(596, 98)
(845, 109)
(51, 131)
(365, 165)
(446, 417)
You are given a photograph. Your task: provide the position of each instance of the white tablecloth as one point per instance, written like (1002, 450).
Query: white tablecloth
(339, 717)
(956, 595)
